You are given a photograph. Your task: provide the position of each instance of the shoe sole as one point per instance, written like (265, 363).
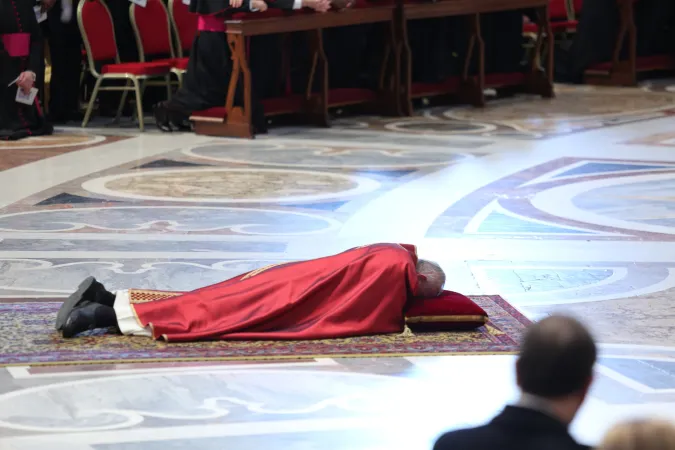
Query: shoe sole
(72, 301)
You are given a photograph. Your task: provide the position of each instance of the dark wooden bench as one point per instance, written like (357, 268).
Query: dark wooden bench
(470, 86)
(235, 121)
(623, 70)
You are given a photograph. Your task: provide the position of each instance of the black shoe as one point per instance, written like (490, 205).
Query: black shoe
(82, 318)
(162, 117)
(89, 290)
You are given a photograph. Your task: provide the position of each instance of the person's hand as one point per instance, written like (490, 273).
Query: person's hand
(259, 5)
(342, 4)
(317, 5)
(47, 4)
(26, 81)
(236, 3)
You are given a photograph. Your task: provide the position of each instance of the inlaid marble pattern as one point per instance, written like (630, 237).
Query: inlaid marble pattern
(18, 153)
(560, 205)
(575, 109)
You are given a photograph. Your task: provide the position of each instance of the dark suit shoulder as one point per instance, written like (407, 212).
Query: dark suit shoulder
(476, 438)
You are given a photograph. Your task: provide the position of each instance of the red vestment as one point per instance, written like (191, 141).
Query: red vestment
(362, 291)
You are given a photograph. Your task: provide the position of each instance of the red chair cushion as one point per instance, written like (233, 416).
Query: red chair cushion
(642, 63)
(98, 30)
(146, 68)
(175, 63)
(557, 10)
(556, 27)
(152, 22)
(449, 311)
(186, 23)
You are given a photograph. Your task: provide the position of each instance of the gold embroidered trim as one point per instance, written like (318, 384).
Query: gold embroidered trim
(261, 270)
(427, 319)
(137, 296)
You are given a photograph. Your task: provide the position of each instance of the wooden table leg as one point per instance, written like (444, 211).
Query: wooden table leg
(317, 99)
(473, 86)
(540, 79)
(405, 61)
(388, 87)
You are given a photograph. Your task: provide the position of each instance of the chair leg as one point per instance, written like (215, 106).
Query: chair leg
(139, 102)
(167, 80)
(90, 107)
(123, 101)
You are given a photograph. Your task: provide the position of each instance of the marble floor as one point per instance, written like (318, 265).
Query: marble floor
(556, 205)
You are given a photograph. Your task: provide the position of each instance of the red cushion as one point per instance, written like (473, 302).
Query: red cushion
(217, 112)
(556, 27)
(447, 86)
(174, 63)
(186, 23)
(146, 68)
(152, 22)
(449, 311)
(350, 96)
(98, 30)
(643, 63)
(557, 10)
(495, 80)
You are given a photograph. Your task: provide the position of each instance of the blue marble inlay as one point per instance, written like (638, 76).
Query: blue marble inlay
(595, 167)
(164, 163)
(387, 173)
(518, 281)
(501, 223)
(653, 374)
(328, 206)
(649, 202)
(69, 199)
(177, 219)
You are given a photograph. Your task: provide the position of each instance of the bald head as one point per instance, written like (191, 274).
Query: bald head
(556, 359)
(431, 285)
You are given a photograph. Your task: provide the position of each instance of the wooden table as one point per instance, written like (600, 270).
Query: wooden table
(472, 87)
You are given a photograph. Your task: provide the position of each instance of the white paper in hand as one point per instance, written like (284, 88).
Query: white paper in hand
(27, 99)
(40, 15)
(186, 2)
(141, 3)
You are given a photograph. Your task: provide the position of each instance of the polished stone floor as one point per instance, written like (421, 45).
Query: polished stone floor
(562, 205)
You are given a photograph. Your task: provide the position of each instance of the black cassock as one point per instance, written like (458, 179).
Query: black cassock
(597, 30)
(18, 120)
(208, 74)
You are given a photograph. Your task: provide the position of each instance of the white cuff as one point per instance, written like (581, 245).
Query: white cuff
(297, 4)
(250, 6)
(126, 319)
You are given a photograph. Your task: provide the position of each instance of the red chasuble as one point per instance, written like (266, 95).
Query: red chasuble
(362, 291)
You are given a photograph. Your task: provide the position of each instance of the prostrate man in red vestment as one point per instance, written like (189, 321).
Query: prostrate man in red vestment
(362, 291)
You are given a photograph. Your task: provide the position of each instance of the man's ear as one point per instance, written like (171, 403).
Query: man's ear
(421, 277)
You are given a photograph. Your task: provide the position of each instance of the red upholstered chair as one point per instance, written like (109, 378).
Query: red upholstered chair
(561, 13)
(98, 34)
(184, 26)
(152, 27)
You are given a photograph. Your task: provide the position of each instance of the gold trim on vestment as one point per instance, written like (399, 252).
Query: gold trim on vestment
(262, 269)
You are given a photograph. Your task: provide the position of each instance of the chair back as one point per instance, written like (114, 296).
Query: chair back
(184, 24)
(98, 32)
(577, 5)
(557, 10)
(152, 28)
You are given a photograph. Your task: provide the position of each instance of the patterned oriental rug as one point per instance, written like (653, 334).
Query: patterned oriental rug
(27, 337)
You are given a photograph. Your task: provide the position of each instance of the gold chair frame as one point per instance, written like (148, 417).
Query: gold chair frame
(134, 83)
